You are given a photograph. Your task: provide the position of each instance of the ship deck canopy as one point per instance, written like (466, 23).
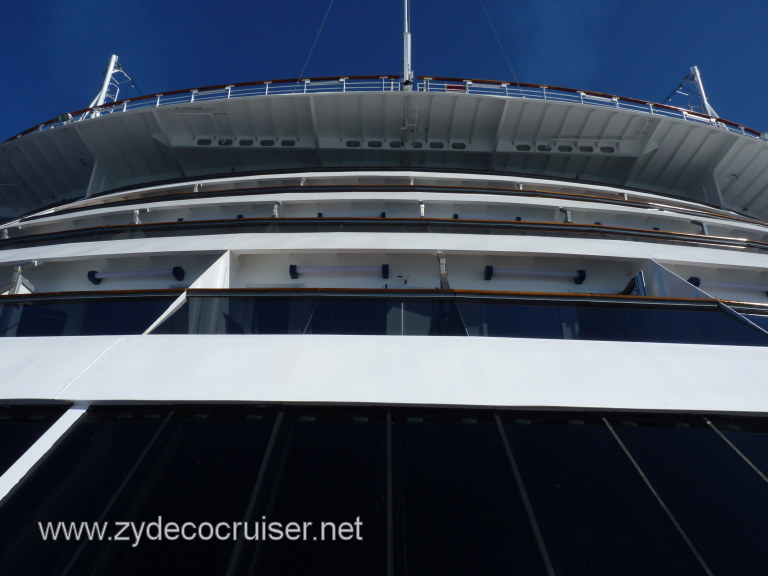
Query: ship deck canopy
(370, 123)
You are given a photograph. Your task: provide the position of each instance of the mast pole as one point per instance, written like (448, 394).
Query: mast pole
(407, 66)
(102, 96)
(708, 110)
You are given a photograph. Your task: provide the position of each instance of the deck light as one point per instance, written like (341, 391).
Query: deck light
(96, 277)
(698, 282)
(294, 270)
(578, 277)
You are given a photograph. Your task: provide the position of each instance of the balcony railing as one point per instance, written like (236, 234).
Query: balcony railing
(390, 83)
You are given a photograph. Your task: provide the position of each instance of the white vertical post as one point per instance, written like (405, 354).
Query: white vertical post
(407, 66)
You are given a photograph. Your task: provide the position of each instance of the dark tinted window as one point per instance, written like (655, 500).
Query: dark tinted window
(327, 468)
(21, 426)
(457, 507)
(585, 321)
(124, 464)
(80, 317)
(434, 490)
(718, 500)
(759, 319)
(749, 436)
(596, 514)
(342, 316)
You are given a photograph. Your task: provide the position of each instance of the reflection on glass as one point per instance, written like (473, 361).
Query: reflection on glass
(124, 464)
(436, 491)
(329, 473)
(21, 426)
(80, 317)
(457, 507)
(586, 321)
(597, 516)
(718, 500)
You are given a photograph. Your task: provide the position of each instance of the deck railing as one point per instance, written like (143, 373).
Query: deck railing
(390, 83)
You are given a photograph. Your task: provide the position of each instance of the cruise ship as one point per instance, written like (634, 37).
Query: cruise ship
(390, 324)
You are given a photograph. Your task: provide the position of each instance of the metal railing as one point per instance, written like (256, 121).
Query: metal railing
(391, 83)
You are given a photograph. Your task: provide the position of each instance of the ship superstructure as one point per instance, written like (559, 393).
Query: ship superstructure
(503, 326)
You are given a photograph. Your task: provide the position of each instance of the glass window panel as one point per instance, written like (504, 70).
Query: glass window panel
(607, 322)
(438, 317)
(86, 317)
(716, 497)
(74, 482)
(458, 510)
(134, 464)
(326, 468)
(176, 323)
(749, 435)
(21, 426)
(596, 514)
(347, 316)
(759, 319)
(510, 319)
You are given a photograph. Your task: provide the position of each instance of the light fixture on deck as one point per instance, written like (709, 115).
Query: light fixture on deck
(578, 277)
(295, 270)
(96, 277)
(699, 283)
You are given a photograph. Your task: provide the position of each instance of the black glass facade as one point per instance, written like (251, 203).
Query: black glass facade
(21, 426)
(350, 490)
(389, 312)
(218, 312)
(80, 315)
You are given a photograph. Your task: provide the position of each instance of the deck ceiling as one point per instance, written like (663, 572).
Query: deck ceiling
(380, 130)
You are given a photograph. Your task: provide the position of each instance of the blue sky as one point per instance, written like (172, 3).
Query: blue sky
(53, 52)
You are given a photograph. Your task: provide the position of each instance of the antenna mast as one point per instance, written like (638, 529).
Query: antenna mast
(110, 89)
(706, 108)
(101, 97)
(407, 66)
